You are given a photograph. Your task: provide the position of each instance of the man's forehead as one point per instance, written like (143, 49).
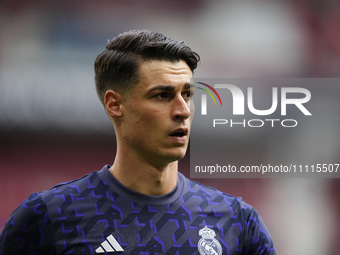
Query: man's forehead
(154, 73)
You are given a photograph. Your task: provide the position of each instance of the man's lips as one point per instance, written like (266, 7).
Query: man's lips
(180, 132)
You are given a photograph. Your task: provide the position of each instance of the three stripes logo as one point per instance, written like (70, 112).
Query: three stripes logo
(109, 245)
(204, 97)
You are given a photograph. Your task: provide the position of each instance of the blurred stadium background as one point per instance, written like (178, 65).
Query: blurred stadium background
(53, 127)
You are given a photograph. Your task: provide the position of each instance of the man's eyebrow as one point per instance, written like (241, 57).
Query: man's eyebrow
(189, 85)
(170, 87)
(163, 87)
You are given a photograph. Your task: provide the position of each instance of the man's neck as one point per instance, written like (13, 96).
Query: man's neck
(145, 178)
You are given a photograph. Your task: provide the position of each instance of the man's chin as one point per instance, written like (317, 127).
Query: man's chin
(177, 155)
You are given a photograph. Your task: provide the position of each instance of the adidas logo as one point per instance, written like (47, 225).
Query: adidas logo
(109, 245)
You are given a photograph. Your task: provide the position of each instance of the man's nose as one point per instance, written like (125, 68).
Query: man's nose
(181, 108)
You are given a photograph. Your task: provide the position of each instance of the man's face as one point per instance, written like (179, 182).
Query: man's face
(156, 113)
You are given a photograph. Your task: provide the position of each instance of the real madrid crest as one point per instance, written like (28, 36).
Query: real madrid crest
(208, 245)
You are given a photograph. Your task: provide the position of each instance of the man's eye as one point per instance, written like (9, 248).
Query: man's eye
(161, 95)
(188, 94)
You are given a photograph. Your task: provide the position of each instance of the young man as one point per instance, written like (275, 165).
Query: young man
(141, 204)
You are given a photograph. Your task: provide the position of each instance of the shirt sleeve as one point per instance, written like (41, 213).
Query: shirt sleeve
(257, 237)
(28, 230)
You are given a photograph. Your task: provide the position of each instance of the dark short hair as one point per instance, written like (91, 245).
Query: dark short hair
(117, 66)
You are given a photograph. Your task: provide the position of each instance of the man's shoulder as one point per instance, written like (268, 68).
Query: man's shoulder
(32, 226)
(73, 188)
(217, 197)
(38, 201)
(195, 186)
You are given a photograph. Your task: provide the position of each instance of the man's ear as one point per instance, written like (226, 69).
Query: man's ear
(113, 104)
